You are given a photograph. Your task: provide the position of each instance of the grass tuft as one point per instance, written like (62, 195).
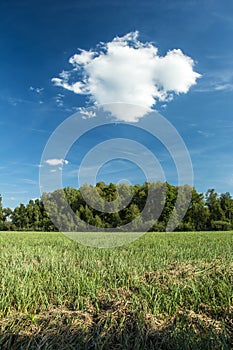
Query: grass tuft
(164, 291)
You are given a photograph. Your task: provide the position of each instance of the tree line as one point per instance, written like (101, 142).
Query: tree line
(206, 212)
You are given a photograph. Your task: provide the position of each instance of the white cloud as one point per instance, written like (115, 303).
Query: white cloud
(56, 161)
(221, 87)
(30, 181)
(220, 80)
(86, 114)
(75, 87)
(11, 198)
(15, 101)
(37, 90)
(59, 100)
(83, 57)
(205, 134)
(129, 71)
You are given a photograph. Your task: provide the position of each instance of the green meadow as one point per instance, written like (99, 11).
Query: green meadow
(162, 291)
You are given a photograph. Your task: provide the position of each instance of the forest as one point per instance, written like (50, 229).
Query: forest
(206, 212)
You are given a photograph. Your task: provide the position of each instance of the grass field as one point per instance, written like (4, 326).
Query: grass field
(163, 291)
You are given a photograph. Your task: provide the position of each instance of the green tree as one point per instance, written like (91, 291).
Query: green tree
(197, 215)
(86, 214)
(216, 213)
(226, 203)
(132, 213)
(171, 195)
(19, 218)
(97, 222)
(173, 221)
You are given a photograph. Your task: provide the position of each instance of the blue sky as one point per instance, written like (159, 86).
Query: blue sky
(37, 40)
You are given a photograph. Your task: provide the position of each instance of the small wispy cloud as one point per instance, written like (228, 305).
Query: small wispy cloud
(59, 100)
(30, 181)
(56, 161)
(220, 79)
(14, 101)
(222, 87)
(86, 114)
(36, 89)
(128, 71)
(11, 198)
(16, 192)
(211, 86)
(205, 133)
(229, 180)
(37, 130)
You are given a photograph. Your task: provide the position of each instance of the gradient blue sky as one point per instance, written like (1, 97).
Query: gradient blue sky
(37, 38)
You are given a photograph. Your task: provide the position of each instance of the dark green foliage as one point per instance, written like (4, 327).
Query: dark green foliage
(66, 208)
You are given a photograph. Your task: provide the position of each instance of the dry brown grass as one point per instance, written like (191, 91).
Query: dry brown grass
(110, 324)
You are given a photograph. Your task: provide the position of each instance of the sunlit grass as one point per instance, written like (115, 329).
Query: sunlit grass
(167, 288)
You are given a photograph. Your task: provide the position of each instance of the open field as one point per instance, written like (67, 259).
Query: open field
(163, 291)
